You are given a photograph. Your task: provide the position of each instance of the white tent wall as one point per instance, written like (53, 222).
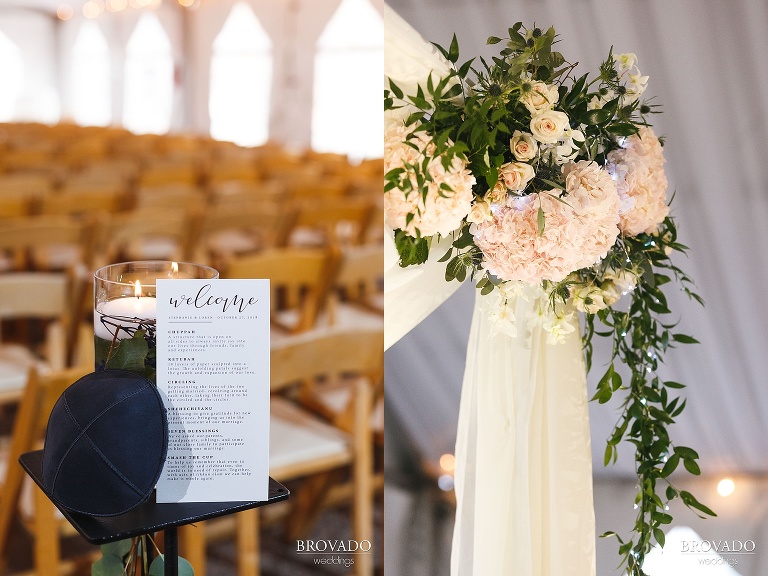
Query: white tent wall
(293, 26)
(35, 34)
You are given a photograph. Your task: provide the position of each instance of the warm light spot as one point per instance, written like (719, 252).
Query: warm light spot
(142, 3)
(65, 12)
(186, 3)
(726, 487)
(448, 463)
(117, 5)
(91, 9)
(137, 289)
(174, 267)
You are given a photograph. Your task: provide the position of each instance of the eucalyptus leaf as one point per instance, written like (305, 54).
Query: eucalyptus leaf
(107, 566)
(119, 549)
(157, 568)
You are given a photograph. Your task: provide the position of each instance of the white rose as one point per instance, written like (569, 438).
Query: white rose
(589, 299)
(549, 126)
(540, 97)
(516, 175)
(611, 293)
(481, 211)
(624, 280)
(498, 195)
(523, 146)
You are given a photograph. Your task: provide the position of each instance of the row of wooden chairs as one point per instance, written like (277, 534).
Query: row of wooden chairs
(210, 235)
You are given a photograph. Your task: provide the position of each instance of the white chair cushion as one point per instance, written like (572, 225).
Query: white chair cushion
(296, 437)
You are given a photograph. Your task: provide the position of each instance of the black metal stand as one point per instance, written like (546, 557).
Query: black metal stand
(149, 517)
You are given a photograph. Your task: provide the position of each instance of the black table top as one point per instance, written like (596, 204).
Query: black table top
(149, 516)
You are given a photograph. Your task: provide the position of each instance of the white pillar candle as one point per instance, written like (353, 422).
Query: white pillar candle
(141, 307)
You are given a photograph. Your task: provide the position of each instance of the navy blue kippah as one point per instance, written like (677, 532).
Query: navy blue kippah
(106, 443)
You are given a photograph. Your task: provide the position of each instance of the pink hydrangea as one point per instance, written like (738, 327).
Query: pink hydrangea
(641, 182)
(578, 231)
(442, 212)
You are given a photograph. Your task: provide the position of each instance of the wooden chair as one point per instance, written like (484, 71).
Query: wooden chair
(46, 297)
(182, 197)
(39, 516)
(158, 234)
(303, 446)
(335, 221)
(160, 173)
(226, 231)
(47, 242)
(80, 202)
(357, 295)
(299, 281)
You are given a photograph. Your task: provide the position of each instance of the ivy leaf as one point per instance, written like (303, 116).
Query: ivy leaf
(690, 501)
(411, 250)
(670, 465)
(130, 353)
(684, 339)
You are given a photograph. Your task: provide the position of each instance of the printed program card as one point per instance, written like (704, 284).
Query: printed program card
(213, 374)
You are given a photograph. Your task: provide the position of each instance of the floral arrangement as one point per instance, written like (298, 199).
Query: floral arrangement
(552, 188)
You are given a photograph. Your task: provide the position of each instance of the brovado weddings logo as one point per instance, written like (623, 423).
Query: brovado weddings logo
(333, 552)
(721, 548)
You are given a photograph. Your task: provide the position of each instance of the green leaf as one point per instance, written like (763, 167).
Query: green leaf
(411, 250)
(684, 339)
(395, 89)
(672, 384)
(493, 40)
(453, 50)
(107, 566)
(540, 220)
(129, 354)
(690, 501)
(692, 467)
(157, 568)
(119, 549)
(658, 533)
(597, 116)
(670, 465)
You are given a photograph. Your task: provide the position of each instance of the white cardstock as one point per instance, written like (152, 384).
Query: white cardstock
(213, 375)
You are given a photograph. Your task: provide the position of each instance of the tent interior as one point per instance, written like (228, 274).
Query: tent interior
(245, 135)
(702, 60)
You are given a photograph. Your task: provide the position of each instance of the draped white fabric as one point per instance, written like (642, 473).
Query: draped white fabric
(523, 462)
(523, 466)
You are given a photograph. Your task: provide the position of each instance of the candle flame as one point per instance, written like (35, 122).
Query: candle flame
(174, 267)
(137, 289)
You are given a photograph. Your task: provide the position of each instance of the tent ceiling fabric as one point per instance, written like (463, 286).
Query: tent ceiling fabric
(702, 58)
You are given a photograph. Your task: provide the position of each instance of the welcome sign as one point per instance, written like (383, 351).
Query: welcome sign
(213, 374)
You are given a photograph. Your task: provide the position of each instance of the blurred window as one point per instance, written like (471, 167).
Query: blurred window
(91, 92)
(241, 79)
(347, 114)
(149, 78)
